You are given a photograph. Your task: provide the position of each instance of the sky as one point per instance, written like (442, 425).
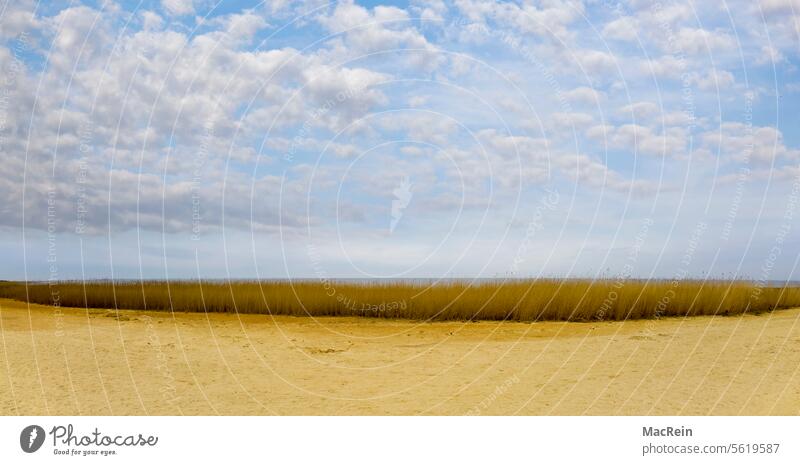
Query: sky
(186, 139)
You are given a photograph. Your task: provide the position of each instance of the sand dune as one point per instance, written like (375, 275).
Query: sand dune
(97, 362)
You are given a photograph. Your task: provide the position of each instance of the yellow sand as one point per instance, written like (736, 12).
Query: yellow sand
(78, 362)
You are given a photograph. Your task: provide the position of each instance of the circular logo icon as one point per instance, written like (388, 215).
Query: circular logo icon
(31, 438)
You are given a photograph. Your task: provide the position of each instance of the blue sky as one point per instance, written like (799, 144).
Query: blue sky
(185, 139)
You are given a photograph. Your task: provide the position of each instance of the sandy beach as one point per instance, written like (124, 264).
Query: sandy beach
(62, 361)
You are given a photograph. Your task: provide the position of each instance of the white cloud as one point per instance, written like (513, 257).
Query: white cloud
(664, 17)
(431, 12)
(531, 149)
(636, 139)
(151, 21)
(640, 110)
(585, 96)
(740, 142)
(79, 35)
(417, 100)
(18, 17)
(147, 101)
(667, 66)
(596, 62)
(595, 174)
(151, 96)
(769, 55)
(780, 6)
(236, 28)
(715, 79)
(420, 126)
(178, 7)
(624, 28)
(570, 121)
(361, 32)
(697, 40)
(550, 19)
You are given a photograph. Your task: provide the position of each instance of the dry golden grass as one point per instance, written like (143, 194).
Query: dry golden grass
(521, 300)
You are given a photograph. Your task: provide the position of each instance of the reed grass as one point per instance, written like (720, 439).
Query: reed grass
(521, 300)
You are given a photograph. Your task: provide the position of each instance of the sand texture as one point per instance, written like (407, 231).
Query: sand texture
(98, 362)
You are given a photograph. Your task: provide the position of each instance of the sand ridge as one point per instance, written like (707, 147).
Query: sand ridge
(63, 361)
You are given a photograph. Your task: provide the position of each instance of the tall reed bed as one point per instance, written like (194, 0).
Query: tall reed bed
(522, 300)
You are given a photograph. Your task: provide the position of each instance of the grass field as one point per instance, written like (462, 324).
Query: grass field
(520, 300)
